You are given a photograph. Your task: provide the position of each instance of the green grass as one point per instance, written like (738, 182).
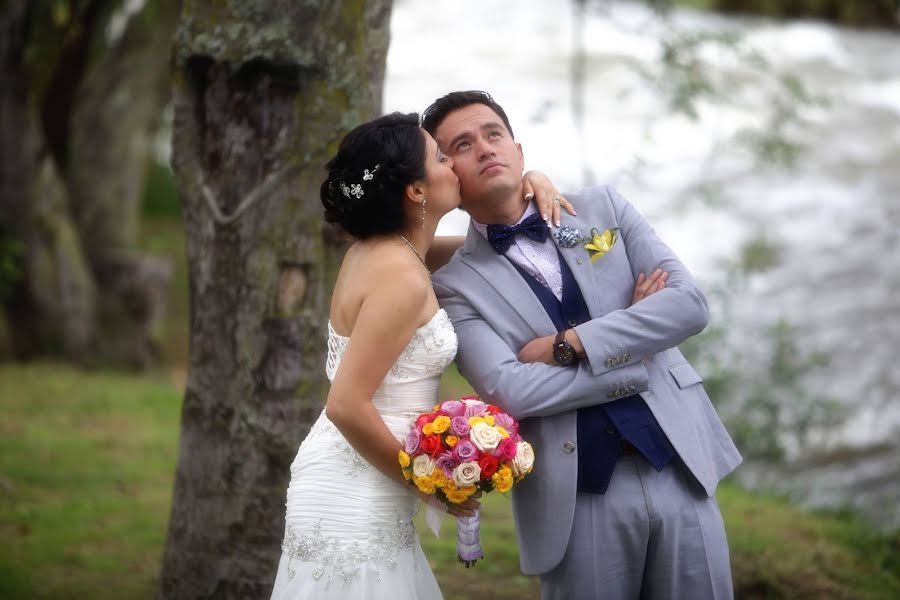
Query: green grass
(86, 470)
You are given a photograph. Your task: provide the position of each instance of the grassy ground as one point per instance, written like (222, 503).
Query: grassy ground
(87, 465)
(86, 471)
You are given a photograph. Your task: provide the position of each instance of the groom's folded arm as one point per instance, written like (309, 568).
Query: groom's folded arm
(658, 322)
(528, 389)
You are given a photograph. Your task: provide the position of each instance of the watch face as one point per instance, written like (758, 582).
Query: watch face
(564, 353)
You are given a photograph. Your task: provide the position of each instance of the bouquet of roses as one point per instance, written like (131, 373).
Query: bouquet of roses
(460, 448)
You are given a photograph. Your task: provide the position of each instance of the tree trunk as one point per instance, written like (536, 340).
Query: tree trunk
(263, 93)
(77, 112)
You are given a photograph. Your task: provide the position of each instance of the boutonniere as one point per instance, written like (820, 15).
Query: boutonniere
(597, 244)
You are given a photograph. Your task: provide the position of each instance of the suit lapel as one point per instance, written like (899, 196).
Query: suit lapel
(580, 264)
(500, 274)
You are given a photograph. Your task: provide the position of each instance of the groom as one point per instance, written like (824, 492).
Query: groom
(629, 449)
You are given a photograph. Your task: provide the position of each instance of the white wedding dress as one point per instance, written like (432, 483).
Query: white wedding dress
(348, 530)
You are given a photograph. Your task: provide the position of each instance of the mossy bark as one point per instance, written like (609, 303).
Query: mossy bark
(263, 93)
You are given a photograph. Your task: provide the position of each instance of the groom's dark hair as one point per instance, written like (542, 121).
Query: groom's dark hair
(435, 114)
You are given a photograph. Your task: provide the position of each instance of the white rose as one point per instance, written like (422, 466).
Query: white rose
(466, 474)
(524, 460)
(485, 437)
(423, 465)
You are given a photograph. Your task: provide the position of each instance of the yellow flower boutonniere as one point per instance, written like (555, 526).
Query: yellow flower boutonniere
(601, 243)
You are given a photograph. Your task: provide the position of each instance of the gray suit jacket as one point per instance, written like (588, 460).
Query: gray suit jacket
(629, 349)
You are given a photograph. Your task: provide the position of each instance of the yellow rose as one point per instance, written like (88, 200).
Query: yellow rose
(404, 459)
(406, 474)
(503, 433)
(451, 440)
(425, 484)
(504, 472)
(601, 243)
(441, 424)
(504, 485)
(450, 485)
(468, 490)
(473, 421)
(438, 477)
(489, 419)
(456, 496)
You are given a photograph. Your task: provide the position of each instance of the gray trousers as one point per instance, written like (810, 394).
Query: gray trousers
(652, 536)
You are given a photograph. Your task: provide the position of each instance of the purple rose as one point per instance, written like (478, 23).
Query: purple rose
(506, 422)
(464, 451)
(413, 439)
(446, 463)
(453, 408)
(475, 408)
(459, 425)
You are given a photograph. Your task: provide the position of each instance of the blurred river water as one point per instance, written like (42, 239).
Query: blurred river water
(766, 154)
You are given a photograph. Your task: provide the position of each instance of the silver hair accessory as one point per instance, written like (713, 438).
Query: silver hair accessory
(356, 188)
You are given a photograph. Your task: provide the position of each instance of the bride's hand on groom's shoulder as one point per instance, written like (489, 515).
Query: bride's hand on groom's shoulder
(547, 199)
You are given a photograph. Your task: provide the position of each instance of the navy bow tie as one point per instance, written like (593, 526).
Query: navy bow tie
(501, 237)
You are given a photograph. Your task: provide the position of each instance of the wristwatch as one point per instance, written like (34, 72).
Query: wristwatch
(563, 352)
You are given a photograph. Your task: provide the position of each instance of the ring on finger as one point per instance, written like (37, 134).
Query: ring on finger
(556, 199)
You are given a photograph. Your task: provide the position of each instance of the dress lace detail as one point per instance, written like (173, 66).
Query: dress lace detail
(422, 357)
(346, 521)
(336, 560)
(323, 428)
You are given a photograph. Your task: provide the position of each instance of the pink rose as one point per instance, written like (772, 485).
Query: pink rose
(506, 449)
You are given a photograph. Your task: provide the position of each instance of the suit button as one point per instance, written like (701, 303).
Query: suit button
(568, 447)
(572, 322)
(610, 394)
(627, 356)
(631, 389)
(609, 362)
(610, 431)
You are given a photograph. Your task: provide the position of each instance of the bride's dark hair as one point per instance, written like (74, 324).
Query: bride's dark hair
(367, 178)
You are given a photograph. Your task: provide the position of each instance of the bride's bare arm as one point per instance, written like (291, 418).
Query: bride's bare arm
(387, 320)
(441, 249)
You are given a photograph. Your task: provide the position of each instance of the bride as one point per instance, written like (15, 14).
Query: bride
(348, 528)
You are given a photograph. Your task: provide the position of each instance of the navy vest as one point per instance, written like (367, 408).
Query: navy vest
(601, 427)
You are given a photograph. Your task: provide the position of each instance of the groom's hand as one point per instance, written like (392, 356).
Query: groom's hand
(647, 286)
(541, 349)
